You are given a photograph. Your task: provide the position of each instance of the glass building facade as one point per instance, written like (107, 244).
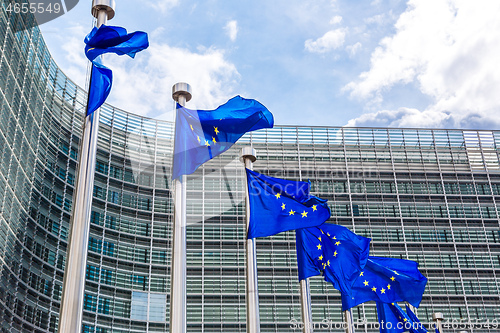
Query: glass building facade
(426, 195)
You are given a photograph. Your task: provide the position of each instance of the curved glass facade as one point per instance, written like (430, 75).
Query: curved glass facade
(426, 195)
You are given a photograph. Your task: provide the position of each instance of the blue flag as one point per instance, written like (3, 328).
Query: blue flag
(100, 86)
(388, 319)
(393, 319)
(417, 326)
(108, 39)
(201, 135)
(387, 280)
(333, 250)
(278, 205)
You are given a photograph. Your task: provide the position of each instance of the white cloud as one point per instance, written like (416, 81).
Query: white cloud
(449, 50)
(73, 47)
(336, 19)
(431, 118)
(332, 40)
(402, 117)
(232, 29)
(144, 85)
(376, 19)
(163, 5)
(353, 49)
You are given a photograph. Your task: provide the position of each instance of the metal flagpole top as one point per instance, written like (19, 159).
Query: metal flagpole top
(107, 5)
(437, 316)
(250, 153)
(181, 89)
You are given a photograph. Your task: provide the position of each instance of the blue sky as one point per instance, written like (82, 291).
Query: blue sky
(417, 63)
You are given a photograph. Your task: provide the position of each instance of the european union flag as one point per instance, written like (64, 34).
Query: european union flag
(201, 135)
(333, 250)
(100, 86)
(108, 39)
(393, 319)
(387, 280)
(278, 205)
(417, 326)
(388, 320)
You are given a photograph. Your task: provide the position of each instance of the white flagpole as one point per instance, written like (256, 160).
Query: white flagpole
(349, 324)
(438, 318)
(181, 93)
(412, 308)
(305, 293)
(71, 312)
(248, 156)
(305, 304)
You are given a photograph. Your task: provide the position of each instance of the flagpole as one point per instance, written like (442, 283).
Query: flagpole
(248, 155)
(181, 93)
(412, 308)
(71, 311)
(305, 302)
(438, 317)
(349, 325)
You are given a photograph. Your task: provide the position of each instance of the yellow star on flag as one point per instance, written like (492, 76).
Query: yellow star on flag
(283, 206)
(320, 258)
(361, 274)
(207, 143)
(216, 130)
(192, 129)
(291, 212)
(304, 214)
(314, 208)
(213, 139)
(198, 138)
(335, 253)
(366, 283)
(319, 246)
(389, 286)
(382, 291)
(319, 238)
(393, 278)
(328, 263)
(277, 195)
(337, 243)
(374, 289)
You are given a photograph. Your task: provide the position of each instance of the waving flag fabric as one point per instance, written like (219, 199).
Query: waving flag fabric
(108, 39)
(387, 280)
(200, 135)
(393, 319)
(278, 205)
(417, 326)
(333, 250)
(389, 320)
(100, 86)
